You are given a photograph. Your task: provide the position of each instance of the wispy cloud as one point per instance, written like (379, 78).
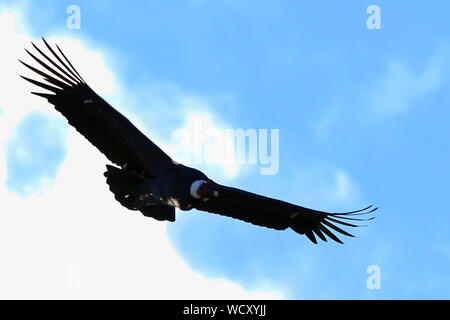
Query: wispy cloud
(400, 87)
(326, 186)
(397, 89)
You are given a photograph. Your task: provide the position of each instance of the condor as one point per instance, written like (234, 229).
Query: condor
(148, 180)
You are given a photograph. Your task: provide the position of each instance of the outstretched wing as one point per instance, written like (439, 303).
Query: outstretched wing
(280, 215)
(108, 130)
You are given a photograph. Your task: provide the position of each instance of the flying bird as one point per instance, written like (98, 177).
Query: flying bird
(146, 179)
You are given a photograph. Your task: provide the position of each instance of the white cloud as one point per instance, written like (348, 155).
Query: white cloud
(76, 224)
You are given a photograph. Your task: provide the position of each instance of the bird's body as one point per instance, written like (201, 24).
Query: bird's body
(148, 180)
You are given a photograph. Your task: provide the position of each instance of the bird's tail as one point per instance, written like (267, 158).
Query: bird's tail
(128, 189)
(124, 185)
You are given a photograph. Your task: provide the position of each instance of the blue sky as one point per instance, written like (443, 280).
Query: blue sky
(359, 109)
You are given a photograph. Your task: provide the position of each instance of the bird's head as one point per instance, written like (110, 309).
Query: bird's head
(203, 190)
